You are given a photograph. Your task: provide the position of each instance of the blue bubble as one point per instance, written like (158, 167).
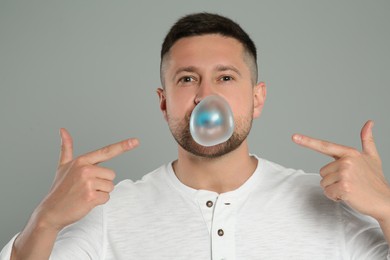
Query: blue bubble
(212, 121)
(209, 119)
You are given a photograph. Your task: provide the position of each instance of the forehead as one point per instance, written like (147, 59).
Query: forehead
(205, 50)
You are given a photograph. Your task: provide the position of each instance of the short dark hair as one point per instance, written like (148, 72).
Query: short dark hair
(198, 24)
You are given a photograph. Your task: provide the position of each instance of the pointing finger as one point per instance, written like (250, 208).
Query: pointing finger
(108, 152)
(66, 154)
(324, 147)
(368, 143)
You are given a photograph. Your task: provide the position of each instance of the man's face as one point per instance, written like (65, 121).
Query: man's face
(197, 67)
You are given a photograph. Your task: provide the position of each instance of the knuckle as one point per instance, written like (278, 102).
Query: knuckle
(106, 150)
(85, 170)
(85, 173)
(324, 146)
(79, 161)
(63, 148)
(346, 162)
(344, 175)
(354, 152)
(125, 146)
(88, 184)
(89, 196)
(322, 172)
(328, 193)
(322, 183)
(111, 175)
(345, 186)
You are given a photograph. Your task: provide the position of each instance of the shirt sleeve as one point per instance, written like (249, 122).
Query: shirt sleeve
(82, 240)
(5, 253)
(364, 238)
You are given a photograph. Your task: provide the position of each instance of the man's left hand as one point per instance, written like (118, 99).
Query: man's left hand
(354, 177)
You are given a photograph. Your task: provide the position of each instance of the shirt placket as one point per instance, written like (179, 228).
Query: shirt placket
(223, 229)
(206, 202)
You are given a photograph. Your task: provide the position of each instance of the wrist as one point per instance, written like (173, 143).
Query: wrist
(44, 220)
(36, 240)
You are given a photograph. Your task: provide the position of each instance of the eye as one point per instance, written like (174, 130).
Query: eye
(226, 78)
(186, 79)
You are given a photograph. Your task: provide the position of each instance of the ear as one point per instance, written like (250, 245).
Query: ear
(163, 102)
(259, 95)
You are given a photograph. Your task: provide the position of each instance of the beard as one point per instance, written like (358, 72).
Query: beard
(180, 129)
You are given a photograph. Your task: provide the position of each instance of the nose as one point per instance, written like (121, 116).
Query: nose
(203, 91)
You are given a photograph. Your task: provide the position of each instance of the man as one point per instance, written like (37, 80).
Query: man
(215, 202)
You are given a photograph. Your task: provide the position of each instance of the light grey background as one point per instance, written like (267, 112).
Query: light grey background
(93, 67)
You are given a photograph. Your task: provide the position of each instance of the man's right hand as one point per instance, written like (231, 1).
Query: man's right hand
(80, 185)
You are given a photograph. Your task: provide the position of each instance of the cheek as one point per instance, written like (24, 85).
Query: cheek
(242, 106)
(179, 105)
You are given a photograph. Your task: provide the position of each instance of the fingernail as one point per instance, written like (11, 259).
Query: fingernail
(133, 143)
(297, 138)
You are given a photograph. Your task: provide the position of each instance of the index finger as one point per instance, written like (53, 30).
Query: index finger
(110, 151)
(324, 147)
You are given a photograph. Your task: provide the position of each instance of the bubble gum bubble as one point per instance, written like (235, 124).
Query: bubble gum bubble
(211, 121)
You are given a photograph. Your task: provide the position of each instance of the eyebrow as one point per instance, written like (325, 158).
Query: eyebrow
(228, 67)
(219, 68)
(183, 69)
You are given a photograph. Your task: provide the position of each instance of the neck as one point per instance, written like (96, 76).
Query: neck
(221, 174)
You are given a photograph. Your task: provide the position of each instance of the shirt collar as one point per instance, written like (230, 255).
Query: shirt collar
(239, 193)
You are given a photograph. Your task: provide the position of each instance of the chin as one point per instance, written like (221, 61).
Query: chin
(211, 152)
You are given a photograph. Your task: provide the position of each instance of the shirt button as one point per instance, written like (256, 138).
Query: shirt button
(220, 232)
(209, 203)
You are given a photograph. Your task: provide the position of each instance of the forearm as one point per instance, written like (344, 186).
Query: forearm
(36, 241)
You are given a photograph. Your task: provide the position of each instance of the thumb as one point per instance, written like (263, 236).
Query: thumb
(368, 143)
(66, 154)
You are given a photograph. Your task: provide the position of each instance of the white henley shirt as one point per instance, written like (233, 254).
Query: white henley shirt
(278, 213)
